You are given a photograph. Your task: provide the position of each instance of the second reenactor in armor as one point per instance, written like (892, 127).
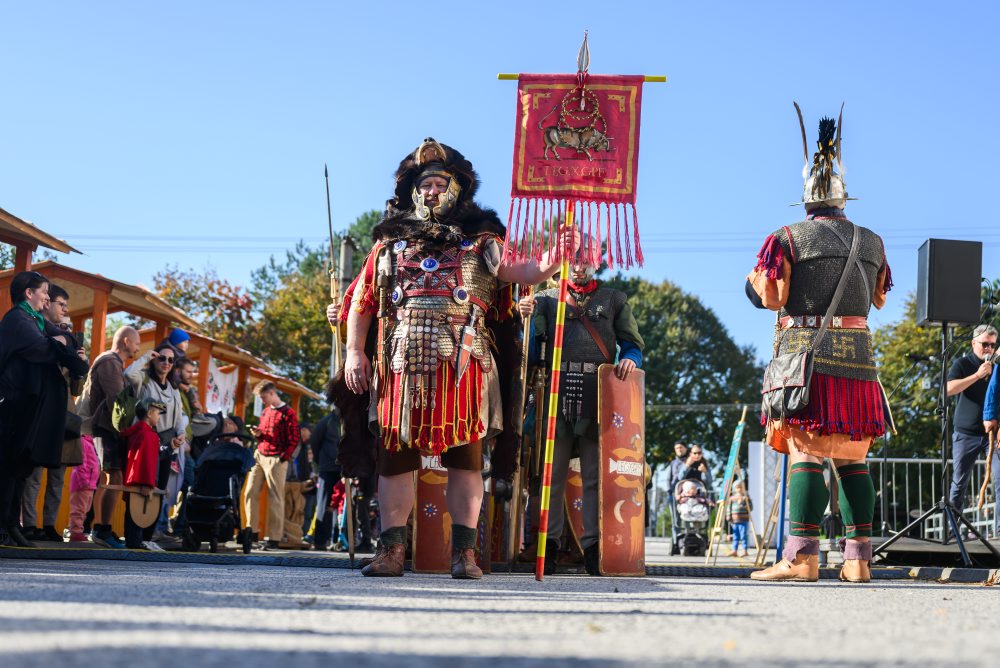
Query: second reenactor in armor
(599, 329)
(797, 274)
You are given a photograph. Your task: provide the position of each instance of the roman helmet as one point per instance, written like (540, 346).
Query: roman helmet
(433, 158)
(824, 176)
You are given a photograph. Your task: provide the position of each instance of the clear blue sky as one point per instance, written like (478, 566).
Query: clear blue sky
(195, 133)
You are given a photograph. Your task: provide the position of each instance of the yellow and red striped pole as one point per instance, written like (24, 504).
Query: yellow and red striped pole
(550, 429)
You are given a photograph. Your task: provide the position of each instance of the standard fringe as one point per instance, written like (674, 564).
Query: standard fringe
(534, 226)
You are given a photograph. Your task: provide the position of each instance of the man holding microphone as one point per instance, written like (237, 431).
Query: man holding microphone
(969, 378)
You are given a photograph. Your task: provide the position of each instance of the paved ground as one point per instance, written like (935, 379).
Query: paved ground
(89, 613)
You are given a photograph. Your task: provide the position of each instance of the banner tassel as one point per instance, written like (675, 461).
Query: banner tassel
(507, 246)
(522, 231)
(635, 227)
(628, 237)
(607, 233)
(535, 237)
(618, 239)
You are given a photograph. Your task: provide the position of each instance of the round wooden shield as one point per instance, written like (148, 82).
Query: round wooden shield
(144, 509)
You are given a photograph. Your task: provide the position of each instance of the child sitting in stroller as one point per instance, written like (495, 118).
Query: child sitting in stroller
(214, 511)
(693, 510)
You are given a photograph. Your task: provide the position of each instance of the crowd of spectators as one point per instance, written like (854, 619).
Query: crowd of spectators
(132, 424)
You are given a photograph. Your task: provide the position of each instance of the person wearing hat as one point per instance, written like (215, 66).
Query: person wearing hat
(179, 339)
(802, 272)
(142, 469)
(436, 279)
(599, 329)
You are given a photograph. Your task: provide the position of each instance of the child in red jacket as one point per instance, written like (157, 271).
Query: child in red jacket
(143, 465)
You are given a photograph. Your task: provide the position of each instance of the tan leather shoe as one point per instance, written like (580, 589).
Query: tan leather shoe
(731, 553)
(463, 565)
(805, 568)
(387, 564)
(856, 570)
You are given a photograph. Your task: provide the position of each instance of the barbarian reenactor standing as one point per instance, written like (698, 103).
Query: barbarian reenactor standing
(600, 329)
(804, 272)
(433, 284)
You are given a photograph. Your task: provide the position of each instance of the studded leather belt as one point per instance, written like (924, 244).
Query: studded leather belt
(814, 321)
(578, 367)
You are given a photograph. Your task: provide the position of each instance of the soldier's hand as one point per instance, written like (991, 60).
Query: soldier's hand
(571, 238)
(332, 313)
(990, 425)
(357, 371)
(525, 306)
(624, 368)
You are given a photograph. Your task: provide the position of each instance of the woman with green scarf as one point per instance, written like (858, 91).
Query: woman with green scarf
(32, 396)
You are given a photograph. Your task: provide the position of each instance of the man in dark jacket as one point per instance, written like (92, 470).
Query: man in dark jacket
(107, 378)
(325, 444)
(54, 311)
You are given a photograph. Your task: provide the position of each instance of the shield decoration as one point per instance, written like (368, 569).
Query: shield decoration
(622, 482)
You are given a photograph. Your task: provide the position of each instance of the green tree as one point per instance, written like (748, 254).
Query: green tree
(689, 358)
(225, 311)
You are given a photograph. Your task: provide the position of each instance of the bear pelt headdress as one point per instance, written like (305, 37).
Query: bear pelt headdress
(466, 218)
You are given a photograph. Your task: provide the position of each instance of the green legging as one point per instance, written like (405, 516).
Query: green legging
(857, 499)
(807, 499)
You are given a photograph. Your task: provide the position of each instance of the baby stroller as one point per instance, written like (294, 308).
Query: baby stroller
(214, 499)
(692, 503)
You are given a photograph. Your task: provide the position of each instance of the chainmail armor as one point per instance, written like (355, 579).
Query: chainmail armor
(578, 391)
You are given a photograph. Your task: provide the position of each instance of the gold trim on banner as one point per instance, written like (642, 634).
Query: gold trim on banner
(631, 92)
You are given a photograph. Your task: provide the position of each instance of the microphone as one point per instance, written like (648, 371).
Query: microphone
(987, 357)
(921, 358)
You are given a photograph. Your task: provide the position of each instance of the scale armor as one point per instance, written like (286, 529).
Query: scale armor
(818, 257)
(434, 291)
(578, 389)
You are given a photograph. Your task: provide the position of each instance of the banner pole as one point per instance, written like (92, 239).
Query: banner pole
(550, 436)
(648, 78)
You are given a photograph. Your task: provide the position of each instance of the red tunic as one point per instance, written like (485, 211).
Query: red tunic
(454, 417)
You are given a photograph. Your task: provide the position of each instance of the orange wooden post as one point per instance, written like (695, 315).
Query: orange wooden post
(296, 398)
(22, 257)
(240, 405)
(204, 361)
(97, 332)
(78, 322)
(162, 330)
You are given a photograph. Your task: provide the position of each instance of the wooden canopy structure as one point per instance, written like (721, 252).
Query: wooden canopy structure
(94, 297)
(249, 369)
(26, 238)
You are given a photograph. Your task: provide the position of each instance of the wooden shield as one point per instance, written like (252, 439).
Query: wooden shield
(144, 510)
(622, 483)
(431, 520)
(574, 501)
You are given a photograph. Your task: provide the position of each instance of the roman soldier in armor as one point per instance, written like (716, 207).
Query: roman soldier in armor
(432, 283)
(797, 273)
(599, 329)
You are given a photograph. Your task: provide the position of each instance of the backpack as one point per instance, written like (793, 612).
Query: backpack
(83, 407)
(123, 410)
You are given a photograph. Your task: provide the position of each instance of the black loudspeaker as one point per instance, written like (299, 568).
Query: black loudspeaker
(949, 275)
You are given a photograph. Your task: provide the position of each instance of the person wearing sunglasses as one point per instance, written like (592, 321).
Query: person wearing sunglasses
(969, 378)
(152, 381)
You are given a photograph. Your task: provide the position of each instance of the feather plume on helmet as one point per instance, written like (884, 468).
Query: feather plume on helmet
(455, 216)
(824, 176)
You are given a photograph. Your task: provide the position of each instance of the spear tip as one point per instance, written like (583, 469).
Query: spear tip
(326, 172)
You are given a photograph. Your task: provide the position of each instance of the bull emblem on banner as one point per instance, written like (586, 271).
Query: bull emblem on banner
(582, 140)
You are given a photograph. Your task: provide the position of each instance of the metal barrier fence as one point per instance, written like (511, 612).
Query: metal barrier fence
(911, 486)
